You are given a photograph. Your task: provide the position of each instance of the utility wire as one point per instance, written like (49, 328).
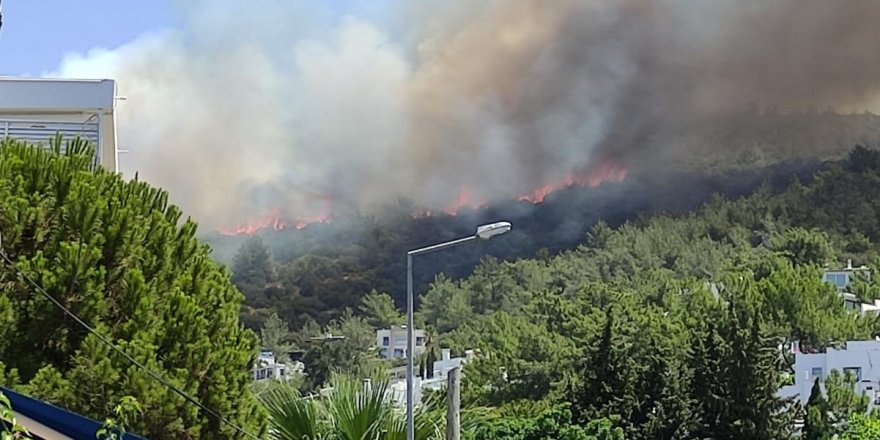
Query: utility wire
(115, 347)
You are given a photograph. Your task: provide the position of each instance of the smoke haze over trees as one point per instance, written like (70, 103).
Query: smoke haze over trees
(252, 106)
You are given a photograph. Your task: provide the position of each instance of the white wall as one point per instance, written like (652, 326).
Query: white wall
(28, 95)
(858, 354)
(46, 101)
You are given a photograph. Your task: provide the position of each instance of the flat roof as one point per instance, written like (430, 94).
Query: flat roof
(56, 96)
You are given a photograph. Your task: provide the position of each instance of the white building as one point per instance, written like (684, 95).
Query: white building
(392, 342)
(842, 280)
(862, 358)
(268, 368)
(34, 110)
(441, 368)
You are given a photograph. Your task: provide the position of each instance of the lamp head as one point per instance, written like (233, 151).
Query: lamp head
(486, 232)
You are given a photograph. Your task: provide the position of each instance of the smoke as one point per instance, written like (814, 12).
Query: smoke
(247, 106)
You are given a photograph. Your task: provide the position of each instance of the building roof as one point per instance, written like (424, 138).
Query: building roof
(49, 422)
(35, 109)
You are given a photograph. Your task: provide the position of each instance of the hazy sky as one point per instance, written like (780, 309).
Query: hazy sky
(36, 34)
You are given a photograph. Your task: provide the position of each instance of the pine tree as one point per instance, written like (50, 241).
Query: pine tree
(708, 391)
(601, 377)
(252, 268)
(755, 410)
(276, 336)
(817, 425)
(122, 259)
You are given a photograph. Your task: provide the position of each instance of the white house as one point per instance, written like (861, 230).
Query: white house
(861, 358)
(35, 109)
(268, 368)
(441, 368)
(392, 342)
(842, 278)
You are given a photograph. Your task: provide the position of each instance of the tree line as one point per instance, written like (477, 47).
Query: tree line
(670, 326)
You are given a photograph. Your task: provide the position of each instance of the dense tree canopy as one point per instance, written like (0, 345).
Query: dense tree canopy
(122, 259)
(671, 326)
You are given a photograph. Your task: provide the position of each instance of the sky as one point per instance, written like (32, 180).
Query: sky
(36, 34)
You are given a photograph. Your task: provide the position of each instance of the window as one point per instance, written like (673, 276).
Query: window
(398, 352)
(816, 372)
(840, 280)
(385, 341)
(855, 371)
(420, 341)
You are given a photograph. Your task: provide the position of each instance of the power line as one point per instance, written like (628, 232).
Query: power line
(119, 350)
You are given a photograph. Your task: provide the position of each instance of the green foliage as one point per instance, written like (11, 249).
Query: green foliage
(843, 402)
(669, 325)
(252, 269)
(121, 258)
(9, 427)
(276, 336)
(862, 427)
(125, 413)
(355, 354)
(380, 311)
(817, 425)
(550, 424)
(350, 410)
(803, 247)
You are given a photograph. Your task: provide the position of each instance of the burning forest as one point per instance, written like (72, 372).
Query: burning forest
(608, 171)
(457, 103)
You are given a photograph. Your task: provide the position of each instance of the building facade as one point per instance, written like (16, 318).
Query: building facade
(35, 110)
(269, 368)
(392, 342)
(861, 358)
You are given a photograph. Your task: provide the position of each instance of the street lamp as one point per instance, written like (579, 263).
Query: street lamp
(483, 232)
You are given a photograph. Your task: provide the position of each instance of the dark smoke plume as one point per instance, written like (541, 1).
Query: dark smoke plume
(286, 105)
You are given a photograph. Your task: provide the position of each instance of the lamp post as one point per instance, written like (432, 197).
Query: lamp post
(484, 232)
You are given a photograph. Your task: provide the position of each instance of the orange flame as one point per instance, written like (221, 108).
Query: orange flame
(275, 221)
(606, 172)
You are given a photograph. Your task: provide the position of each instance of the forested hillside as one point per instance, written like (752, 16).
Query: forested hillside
(668, 327)
(317, 272)
(676, 326)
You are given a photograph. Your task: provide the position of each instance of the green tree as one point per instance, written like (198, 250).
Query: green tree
(803, 246)
(351, 409)
(276, 336)
(843, 402)
(252, 268)
(603, 382)
(446, 306)
(755, 410)
(550, 424)
(861, 427)
(351, 349)
(380, 311)
(121, 258)
(817, 425)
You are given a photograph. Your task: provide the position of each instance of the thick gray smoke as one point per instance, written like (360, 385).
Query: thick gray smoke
(249, 106)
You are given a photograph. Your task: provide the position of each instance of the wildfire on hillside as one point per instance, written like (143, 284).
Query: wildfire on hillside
(608, 171)
(274, 220)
